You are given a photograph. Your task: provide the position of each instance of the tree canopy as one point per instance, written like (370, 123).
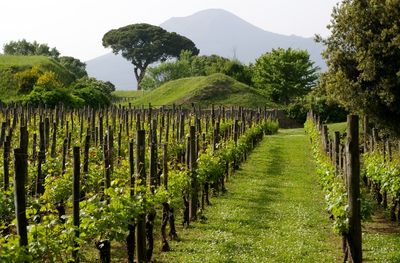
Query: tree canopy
(363, 57)
(25, 48)
(285, 74)
(190, 66)
(144, 44)
(77, 67)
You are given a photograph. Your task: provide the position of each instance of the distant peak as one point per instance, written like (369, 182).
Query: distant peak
(214, 11)
(210, 12)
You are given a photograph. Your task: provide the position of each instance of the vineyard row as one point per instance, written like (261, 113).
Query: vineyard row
(86, 177)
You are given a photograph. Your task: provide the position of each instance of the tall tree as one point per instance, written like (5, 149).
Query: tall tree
(144, 44)
(285, 74)
(363, 57)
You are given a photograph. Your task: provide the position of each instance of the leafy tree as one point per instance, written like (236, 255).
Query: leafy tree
(363, 57)
(167, 71)
(207, 65)
(285, 74)
(77, 67)
(238, 71)
(105, 87)
(23, 47)
(144, 44)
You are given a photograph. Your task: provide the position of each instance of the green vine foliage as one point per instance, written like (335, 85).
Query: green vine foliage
(332, 184)
(383, 172)
(210, 166)
(106, 213)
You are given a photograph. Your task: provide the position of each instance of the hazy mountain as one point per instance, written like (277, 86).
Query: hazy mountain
(114, 68)
(214, 31)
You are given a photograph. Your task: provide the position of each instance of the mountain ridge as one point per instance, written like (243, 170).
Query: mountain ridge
(214, 31)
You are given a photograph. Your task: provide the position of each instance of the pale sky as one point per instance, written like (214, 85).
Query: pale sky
(76, 27)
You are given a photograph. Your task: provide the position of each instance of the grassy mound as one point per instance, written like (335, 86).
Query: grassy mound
(217, 89)
(10, 65)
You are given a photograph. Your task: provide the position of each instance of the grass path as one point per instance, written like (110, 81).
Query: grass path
(273, 212)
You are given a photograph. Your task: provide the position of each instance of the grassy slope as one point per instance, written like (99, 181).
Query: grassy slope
(273, 212)
(214, 89)
(127, 93)
(10, 65)
(21, 61)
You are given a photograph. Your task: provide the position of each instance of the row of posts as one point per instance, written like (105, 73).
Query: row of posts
(346, 159)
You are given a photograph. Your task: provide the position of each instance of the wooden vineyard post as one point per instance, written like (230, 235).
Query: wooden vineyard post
(106, 157)
(336, 151)
(119, 146)
(130, 239)
(166, 210)
(194, 184)
(64, 156)
(20, 175)
(366, 133)
(374, 140)
(101, 136)
(47, 133)
(34, 145)
(3, 133)
(41, 160)
(153, 182)
(186, 197)
(181, 127)
(76, 198)
(353, 179)
(6, 164)
(325, 140)
(86, 160)
(54, 140)
(140, 237)
(111, 149)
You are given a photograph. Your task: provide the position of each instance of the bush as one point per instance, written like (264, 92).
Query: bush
(48, 80)
(92, 97)
(328, 111)
(105, 87)
(52, 97)
(27, 79)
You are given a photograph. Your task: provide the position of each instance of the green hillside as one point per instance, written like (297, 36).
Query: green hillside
(9, 65)
(215, 89)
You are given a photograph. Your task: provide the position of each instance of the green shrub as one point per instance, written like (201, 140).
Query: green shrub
(92, 97)
(105, 87)
(328, 111)
(52, 97)
(27, 79)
